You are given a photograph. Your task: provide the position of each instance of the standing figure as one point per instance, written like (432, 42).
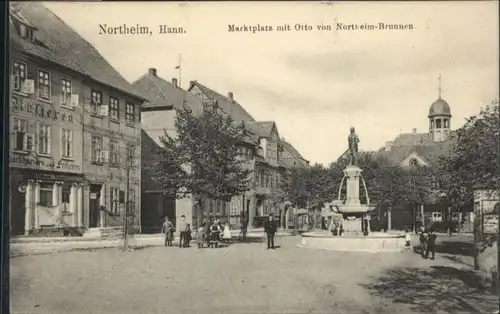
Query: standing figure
(168, 228)
(182, 231)
(226, 234)
(187, 237)
(431, 244)
(353, 140)
(270, 229)
(214, 234)
(244, 225)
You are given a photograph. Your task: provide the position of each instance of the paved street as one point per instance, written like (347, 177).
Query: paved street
(242, 278)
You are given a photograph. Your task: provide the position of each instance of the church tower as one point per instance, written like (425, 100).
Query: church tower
(439, 118)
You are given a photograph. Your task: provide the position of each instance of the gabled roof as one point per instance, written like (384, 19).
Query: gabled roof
(430, 153)
(261, 128)
(161, 94)
(292, 150)
(231, 107)
(57, 42)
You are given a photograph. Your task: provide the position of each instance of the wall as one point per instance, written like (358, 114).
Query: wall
(34, 110)
(112, 176)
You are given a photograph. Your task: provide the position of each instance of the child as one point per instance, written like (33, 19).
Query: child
(188, 236)
(201, 237)
(168, 228)
(407, 238)
(227, 233)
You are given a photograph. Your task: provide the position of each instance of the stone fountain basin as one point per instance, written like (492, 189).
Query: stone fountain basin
(355, 208)
(373, 243)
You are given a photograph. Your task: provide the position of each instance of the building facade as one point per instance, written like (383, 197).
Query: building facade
(260, 153)
(69, 128)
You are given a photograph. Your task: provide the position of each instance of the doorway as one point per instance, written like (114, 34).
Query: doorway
(95, 196)
(17, 209)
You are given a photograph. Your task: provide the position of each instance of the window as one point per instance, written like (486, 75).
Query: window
(257, 177)
(96, 148)
(262, 179)
(114, 150)
(65, 92)
(131, 201)
(44, 138)
(46, 190)
(44, 85)
(96, 102)
(19, 71)
(22, 140)
(114, 199)
(113, 108)
(66, 142)
(130, 114)
(445, 122)
(438, 123)
(413, 162)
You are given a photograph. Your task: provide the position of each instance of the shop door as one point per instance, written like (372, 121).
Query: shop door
(17, 209)
(95, 195)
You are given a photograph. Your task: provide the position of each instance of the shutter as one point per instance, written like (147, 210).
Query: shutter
(74, 100)
(104, 110)
(28, 87)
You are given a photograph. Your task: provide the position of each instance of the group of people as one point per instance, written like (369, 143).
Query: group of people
(427, 241)
(212, 232)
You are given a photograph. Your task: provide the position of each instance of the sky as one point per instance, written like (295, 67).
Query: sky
(314, 84)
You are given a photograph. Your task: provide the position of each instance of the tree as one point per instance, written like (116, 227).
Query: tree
(202, 159)
(474, 158)
(474, 161)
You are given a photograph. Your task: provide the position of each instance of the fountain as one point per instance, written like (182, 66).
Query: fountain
(349, 220)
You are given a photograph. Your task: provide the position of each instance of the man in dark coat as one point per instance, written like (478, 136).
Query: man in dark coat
(270, 228)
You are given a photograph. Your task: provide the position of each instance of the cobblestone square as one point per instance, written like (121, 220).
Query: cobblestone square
(240, 278)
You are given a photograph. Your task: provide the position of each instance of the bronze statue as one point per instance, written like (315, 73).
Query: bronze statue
(353, 147)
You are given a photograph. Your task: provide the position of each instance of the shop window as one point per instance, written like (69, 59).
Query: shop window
(46, 190)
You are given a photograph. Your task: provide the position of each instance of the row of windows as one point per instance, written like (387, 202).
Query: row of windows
(440, 123)
(266, 179)
(41, 142)
(114, 156)
(117, 196)
(44, 91)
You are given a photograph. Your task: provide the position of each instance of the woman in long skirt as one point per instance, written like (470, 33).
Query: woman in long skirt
(226, 236)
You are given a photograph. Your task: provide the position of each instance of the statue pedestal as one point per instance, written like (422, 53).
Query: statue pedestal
(353, 174)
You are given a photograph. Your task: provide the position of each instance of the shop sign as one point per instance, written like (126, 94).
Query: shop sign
(39, 110)
(46, 163)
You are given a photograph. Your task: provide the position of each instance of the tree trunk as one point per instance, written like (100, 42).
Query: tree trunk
(422, 213)
(389, 218)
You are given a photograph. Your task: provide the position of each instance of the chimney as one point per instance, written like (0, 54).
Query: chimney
(152, 71)
(388, 146)
(414, 131)
(174, 82)
(230, 95)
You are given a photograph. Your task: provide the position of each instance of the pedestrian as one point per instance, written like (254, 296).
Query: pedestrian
(244, 226)
(200, 238)
(423, 240)
(168, 228)
(431, 244)
(182, 231)
(187, 242)
(407, 237)
(226, 235)
(270, 229)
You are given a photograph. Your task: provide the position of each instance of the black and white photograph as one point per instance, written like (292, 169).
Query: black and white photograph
(253, 157)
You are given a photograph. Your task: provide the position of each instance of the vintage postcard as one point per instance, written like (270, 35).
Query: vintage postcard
(253, 157)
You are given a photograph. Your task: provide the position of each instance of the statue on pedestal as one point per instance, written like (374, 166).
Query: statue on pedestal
(353, 140)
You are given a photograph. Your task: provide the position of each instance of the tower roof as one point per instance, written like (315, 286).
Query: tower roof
(439, 108)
